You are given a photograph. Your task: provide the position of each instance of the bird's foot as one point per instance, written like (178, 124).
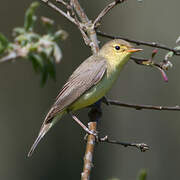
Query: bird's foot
(105, 100)
(90, 132)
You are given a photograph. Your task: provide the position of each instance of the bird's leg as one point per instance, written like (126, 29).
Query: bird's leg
(105, 100)
(82, 125)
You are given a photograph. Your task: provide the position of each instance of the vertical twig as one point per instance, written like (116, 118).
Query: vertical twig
(89, 153)
(94, 116)
(88, 25)
(94, 112)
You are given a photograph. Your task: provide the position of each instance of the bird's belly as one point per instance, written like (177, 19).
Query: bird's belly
(93, 94)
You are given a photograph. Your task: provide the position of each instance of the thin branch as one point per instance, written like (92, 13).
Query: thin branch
(66, 15)
(141, 146)
(87, 25)
(106, 10)
(141, 106)
(88, 157)
(80, 11)
(64, 3)
(137, 42)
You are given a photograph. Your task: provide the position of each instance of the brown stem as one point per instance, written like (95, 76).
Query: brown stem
(80, 11)
(66, 15)
(141, 106)
(106, 10)
(87, 25)
(88, 157)
(141, 146)
(137, 42)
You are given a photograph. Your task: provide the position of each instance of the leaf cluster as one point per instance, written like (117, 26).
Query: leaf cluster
(42, 50)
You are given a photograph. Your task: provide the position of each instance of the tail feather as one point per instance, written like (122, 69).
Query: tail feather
(45, 128)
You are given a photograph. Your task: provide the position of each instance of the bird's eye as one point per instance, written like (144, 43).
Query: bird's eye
(117, 47)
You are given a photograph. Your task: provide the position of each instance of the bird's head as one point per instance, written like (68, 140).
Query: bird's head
(117, 51)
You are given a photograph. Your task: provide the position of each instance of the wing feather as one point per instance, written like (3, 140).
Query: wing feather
(88, 74)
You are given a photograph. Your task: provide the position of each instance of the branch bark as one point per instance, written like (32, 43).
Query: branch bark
(141, 106)
(66, 15)
(137, 42)
(106, 10)
(141, 146)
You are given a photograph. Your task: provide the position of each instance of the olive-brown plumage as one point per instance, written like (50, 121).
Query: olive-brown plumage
(88, 83)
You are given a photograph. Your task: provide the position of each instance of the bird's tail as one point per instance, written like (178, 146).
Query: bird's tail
(44, 129)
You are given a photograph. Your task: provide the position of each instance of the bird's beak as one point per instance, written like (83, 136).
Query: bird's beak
(134, 50)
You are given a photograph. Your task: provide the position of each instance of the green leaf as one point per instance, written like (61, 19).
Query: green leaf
(177, 48)
(30, 17)
(18, 30)
(169, 55)
(51, 69)
(37, 62)
(48, 23)
(3, 43)
(26, 38)
(44, 76)
(178, 40)
(57, 53)
(60, 34)
(142, 175)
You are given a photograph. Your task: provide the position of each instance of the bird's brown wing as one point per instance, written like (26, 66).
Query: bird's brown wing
(89, 73)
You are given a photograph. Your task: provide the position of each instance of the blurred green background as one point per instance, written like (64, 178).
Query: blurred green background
(23, 103)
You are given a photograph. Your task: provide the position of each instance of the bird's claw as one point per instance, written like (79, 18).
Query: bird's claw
(105, 100)
(94, 133)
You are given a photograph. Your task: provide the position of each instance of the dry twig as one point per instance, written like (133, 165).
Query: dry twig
(142, 106)
(66, 15)
(105, 11)
(137, 42)
(141, 146)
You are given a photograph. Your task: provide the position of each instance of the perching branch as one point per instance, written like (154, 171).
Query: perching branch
(141, 106)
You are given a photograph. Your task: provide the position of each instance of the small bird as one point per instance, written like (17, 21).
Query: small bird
(88, 83)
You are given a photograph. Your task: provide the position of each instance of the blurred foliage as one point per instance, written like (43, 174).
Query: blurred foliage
(114, 179)
(142, 175)
(42, 50)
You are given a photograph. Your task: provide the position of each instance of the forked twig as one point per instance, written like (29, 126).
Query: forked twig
(66, 15)
(141, 146)
(105, 11)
